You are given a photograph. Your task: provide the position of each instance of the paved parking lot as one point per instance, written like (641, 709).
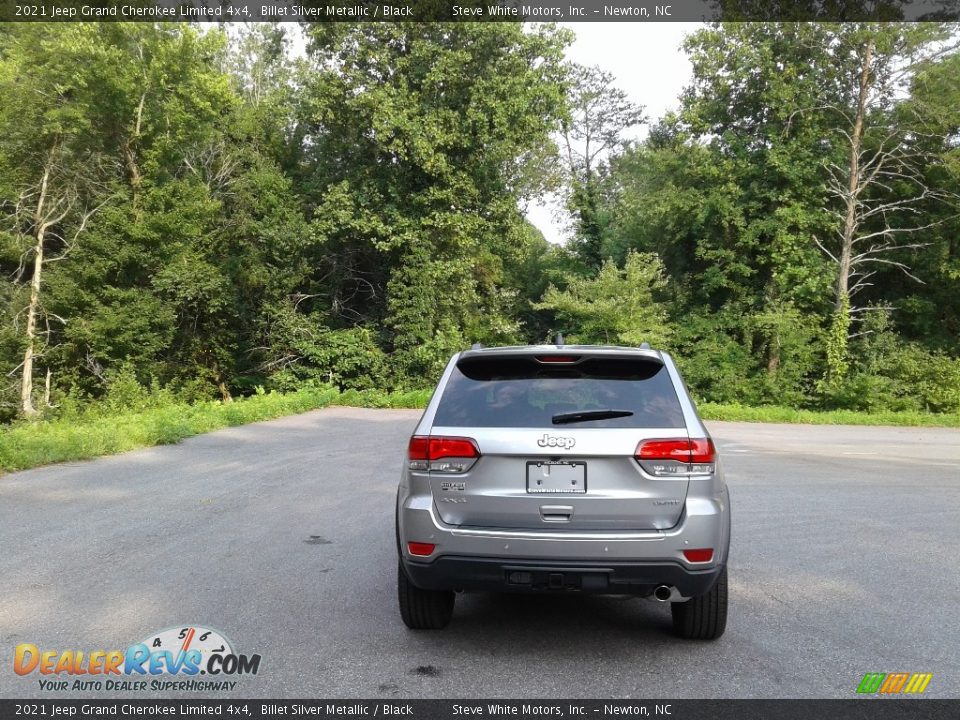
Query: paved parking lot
(280, 534)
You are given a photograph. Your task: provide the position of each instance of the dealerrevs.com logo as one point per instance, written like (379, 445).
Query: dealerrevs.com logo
(172, 659)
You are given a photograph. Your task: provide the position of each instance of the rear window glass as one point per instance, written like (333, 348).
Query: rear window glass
(520, 392)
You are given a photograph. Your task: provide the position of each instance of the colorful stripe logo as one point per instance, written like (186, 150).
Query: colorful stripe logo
(894, 683)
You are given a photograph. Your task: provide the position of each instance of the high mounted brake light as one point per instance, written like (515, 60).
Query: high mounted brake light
(557, 358)
(677, 456)
(432, 453)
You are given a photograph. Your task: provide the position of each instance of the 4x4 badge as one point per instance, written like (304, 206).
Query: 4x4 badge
(551, 441)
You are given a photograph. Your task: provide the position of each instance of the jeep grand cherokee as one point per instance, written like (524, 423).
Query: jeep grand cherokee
(563, 469)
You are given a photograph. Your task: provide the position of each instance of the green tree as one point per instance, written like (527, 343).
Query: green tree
(420, 139)
(203, 232)
(886, 174)
(617, 307)
(145, 263)
(744, 193)
(929, 311)
(599, 115)
(52, 155)
(729, 190)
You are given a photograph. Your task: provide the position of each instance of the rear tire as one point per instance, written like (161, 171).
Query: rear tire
(704, 617)
(423, 609)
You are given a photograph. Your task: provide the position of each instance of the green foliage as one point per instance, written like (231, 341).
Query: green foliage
(762, 358)
(887, 373)
(239, 218)
(422, 140)
(617, 307)
(837, 338)
(125, 393)
(924, 380)
(133, 415)
(600, 114)
(790, 344)
(733, 193)
(716, 364)
(160, 420)
(752, 103)
(151, 421)
(303, 351)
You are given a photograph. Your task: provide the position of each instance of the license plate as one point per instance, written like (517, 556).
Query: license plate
(556, 476)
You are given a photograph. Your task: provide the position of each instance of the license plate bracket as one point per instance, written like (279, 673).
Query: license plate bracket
(561, 477)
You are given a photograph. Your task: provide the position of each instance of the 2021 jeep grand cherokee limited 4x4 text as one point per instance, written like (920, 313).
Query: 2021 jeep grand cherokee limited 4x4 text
(566, 468)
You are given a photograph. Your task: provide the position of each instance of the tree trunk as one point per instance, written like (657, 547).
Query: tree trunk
(773, 355)
(26, 383)
(133, 171)
(837, 349)
(130, 155)
(221, 382)
(33, 309)
(851, 223)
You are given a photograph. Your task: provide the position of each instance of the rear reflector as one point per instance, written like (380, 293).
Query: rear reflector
(685, 450)
(423, 549)
(699, 555)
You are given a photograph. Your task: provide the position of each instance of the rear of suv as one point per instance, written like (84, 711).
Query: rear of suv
(563, 469)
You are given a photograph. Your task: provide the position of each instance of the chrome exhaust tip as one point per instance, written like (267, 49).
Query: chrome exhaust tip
(663, 593)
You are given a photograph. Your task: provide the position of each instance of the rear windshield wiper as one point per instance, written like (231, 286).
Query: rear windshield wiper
(583, 415)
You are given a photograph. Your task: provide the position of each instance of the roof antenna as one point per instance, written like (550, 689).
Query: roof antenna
(477, 346)
(559, 342)
(644, 346)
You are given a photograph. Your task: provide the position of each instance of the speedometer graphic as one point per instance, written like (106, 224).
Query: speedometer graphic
(190, 638)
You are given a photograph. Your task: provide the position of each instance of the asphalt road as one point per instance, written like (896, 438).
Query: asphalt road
(280, 534)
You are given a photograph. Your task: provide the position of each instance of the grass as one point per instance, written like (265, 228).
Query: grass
(92, 434)
(95, 433)
(769, 414)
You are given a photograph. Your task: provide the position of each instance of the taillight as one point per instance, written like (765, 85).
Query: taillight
(442, 454)
(664, 450)
(443, 447)
(419, 448)
(702, 451)
(677, 456)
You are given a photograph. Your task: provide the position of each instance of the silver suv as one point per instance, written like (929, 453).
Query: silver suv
(563, 469)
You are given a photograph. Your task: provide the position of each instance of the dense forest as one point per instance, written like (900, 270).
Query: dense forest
(209, 212)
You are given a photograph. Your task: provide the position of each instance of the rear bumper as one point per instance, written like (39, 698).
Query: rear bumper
(705, 523)
(531, 576)
(594, 562)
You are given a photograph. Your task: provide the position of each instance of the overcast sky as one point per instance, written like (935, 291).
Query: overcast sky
(648, 64)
